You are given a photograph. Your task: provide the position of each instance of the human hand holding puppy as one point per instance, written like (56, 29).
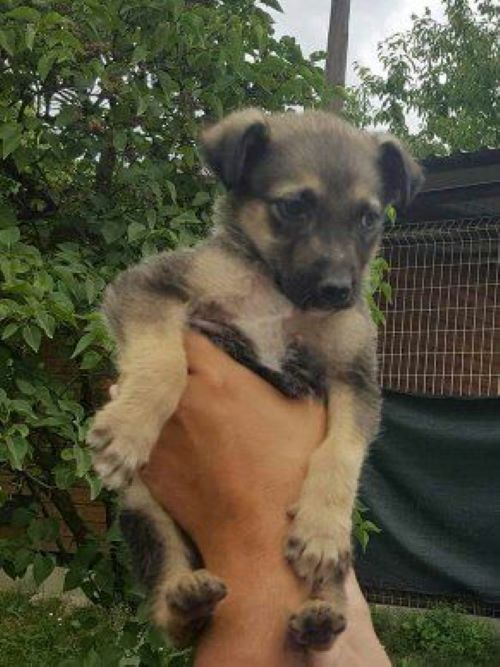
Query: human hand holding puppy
(227, 466)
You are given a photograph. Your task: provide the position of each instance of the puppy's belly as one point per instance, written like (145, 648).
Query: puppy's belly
(297, 374)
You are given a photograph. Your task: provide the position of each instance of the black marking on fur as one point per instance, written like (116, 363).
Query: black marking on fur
(229, 339)
(146, 548)
(302, 373)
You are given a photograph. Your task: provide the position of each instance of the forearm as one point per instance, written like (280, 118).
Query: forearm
(249, 627)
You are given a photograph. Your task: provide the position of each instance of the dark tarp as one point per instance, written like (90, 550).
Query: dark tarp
(432, 484)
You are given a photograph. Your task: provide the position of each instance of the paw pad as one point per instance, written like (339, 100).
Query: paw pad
(316, 626)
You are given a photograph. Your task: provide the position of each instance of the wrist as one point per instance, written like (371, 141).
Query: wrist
(250, 626)
(236, 544)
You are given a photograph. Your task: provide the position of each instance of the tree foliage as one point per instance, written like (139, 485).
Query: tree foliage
(441, 74)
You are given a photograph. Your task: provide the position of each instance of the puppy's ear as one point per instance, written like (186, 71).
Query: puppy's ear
(233, 146)
(402, 176)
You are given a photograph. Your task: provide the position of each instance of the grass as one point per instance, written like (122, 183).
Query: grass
(439, 637)
(46, 633)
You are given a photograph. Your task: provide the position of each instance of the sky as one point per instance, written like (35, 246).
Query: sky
(371, 21)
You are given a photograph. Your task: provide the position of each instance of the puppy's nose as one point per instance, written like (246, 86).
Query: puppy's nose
(336, 292)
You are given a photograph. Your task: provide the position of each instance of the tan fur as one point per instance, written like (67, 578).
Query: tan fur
(302, 182)
(126, 430)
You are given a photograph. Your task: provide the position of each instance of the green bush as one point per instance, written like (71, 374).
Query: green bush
(443, 636)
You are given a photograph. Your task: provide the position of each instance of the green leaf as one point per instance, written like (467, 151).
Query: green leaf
(188, 217)
(9, 330)
(10, 134)
(25, 387)
(9, 236)
(23, 14)
(371, 527)
(201, 198)
(112, 230)
(22, 429)
(92, 288)
(142, 104)
(90, 360)
(47, 322)
(23, 407)
(17, 448)
(67, 454)
(7, 41)
(22, 560)
(85, 341)
(22, 517)
(120, 139)
(43, 566)
(83, 461)
(135, 231)
(8, 216)
(386, 290)
(391, 214)
(29, 38)
(173, 192)
(43, 530)
(45, 64)
(74, 578)
(274, 4)
(33, 336)
(67, 116)
(95, 485)
(64, 476)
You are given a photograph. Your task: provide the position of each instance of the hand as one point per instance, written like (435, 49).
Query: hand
(234, 455)
(227, 466)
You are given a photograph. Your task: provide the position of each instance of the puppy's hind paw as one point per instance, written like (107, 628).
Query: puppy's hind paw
(186, 604)
(316, 626)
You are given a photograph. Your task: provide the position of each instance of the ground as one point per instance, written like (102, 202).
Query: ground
(48, 633)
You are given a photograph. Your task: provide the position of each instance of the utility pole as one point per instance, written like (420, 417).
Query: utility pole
(338, 39)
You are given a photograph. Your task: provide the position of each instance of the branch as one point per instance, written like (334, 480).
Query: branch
(106, 166)
(62, 499)
(31, 481)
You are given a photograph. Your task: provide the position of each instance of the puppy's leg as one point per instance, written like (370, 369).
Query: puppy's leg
(182, 599)
(319, 543)
(148, 321)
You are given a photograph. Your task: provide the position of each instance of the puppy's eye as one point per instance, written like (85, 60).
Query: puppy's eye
(368, 220)
(293, 208)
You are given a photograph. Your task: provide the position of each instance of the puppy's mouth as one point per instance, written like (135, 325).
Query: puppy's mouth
(318, 302)
(309, 298)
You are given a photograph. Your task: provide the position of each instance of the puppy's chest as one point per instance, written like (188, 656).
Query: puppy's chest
(260, 329)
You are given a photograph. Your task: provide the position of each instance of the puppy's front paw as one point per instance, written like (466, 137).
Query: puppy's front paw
(318, 550)
(316, 625)
(122, 441)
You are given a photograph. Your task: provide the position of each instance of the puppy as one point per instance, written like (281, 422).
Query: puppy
(279, 286)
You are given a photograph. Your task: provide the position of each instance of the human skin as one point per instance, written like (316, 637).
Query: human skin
(227, 466)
